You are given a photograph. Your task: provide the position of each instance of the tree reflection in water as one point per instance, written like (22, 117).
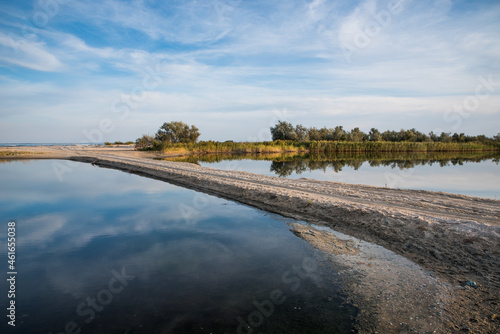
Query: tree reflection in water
(285, 164)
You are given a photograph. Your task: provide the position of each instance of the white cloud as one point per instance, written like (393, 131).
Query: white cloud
(22, 52)
(77, 45)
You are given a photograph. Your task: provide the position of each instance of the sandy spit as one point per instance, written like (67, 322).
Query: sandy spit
(455, 237)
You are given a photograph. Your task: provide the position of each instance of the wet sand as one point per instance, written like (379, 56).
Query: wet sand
(455, 239)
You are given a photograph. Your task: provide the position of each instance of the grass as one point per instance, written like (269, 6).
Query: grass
(10, 153)
(323, 146)
(119, 143)
(230, 147)
(353, 147)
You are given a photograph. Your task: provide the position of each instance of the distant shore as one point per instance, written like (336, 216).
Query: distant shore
(456, 237)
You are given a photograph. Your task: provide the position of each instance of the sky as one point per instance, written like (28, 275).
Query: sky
(94, 71)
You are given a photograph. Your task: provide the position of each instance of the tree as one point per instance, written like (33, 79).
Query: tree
(421, 137)
(390, 136)
(458, 138)
(401, 135)
(356, 135)
(314, 134)
(324, 134)
(374, 135)
(302, 133)
(177, 132)
(338, 134)
(409, 135)
(194, 133)
(445, 137)
(482, 138)
(283, 131)
(434, 137)
(145, 142)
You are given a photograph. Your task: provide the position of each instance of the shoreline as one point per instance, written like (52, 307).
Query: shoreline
(457, 237)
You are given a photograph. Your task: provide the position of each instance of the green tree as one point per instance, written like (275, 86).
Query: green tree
(314, 134)
(356, 135)
(390, 136)
(177, 132)
(458, 138)
(421, 137)
(482, 138)
(445, 137)
(338, 134)
(324, 134)
(433, 137)
(194, 134)
(301, 133)
(374, 135)
(145, 142)
(410, 135)
(401, 135)
(283, 131)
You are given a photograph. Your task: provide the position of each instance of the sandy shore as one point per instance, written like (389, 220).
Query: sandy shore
(455, 237)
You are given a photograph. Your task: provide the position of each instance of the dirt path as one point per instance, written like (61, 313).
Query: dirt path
(456, 237)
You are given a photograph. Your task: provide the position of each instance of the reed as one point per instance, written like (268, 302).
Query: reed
(322, 146)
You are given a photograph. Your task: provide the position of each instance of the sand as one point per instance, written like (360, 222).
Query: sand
(454, 239)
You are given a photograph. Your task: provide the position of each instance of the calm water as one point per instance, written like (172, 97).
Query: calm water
(109, 252)
(467, 174)
(46, 144)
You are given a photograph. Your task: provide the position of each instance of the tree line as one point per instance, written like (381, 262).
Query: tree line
(173, 134)
(286, 131)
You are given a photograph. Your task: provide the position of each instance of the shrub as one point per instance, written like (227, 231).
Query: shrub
(146, 142)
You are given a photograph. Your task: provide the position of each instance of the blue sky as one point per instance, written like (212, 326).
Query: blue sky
(80, 71)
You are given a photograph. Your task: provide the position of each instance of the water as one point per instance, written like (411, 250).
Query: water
(110, 252)
(473, 174)
(45, 144)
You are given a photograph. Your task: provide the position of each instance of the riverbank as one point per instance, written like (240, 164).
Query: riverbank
(456, 237)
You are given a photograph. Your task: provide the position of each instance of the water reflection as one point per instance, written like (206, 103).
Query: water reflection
(284, 165)
(473, 174)
(299, 165)
(110, 252)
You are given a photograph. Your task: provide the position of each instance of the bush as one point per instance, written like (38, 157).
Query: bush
(146, 142)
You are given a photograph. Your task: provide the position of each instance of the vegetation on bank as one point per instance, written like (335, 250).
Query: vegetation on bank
(320, 146)
(286, 131)
(9, 153)
(169, 134)
(118, 143)
(180, 138)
